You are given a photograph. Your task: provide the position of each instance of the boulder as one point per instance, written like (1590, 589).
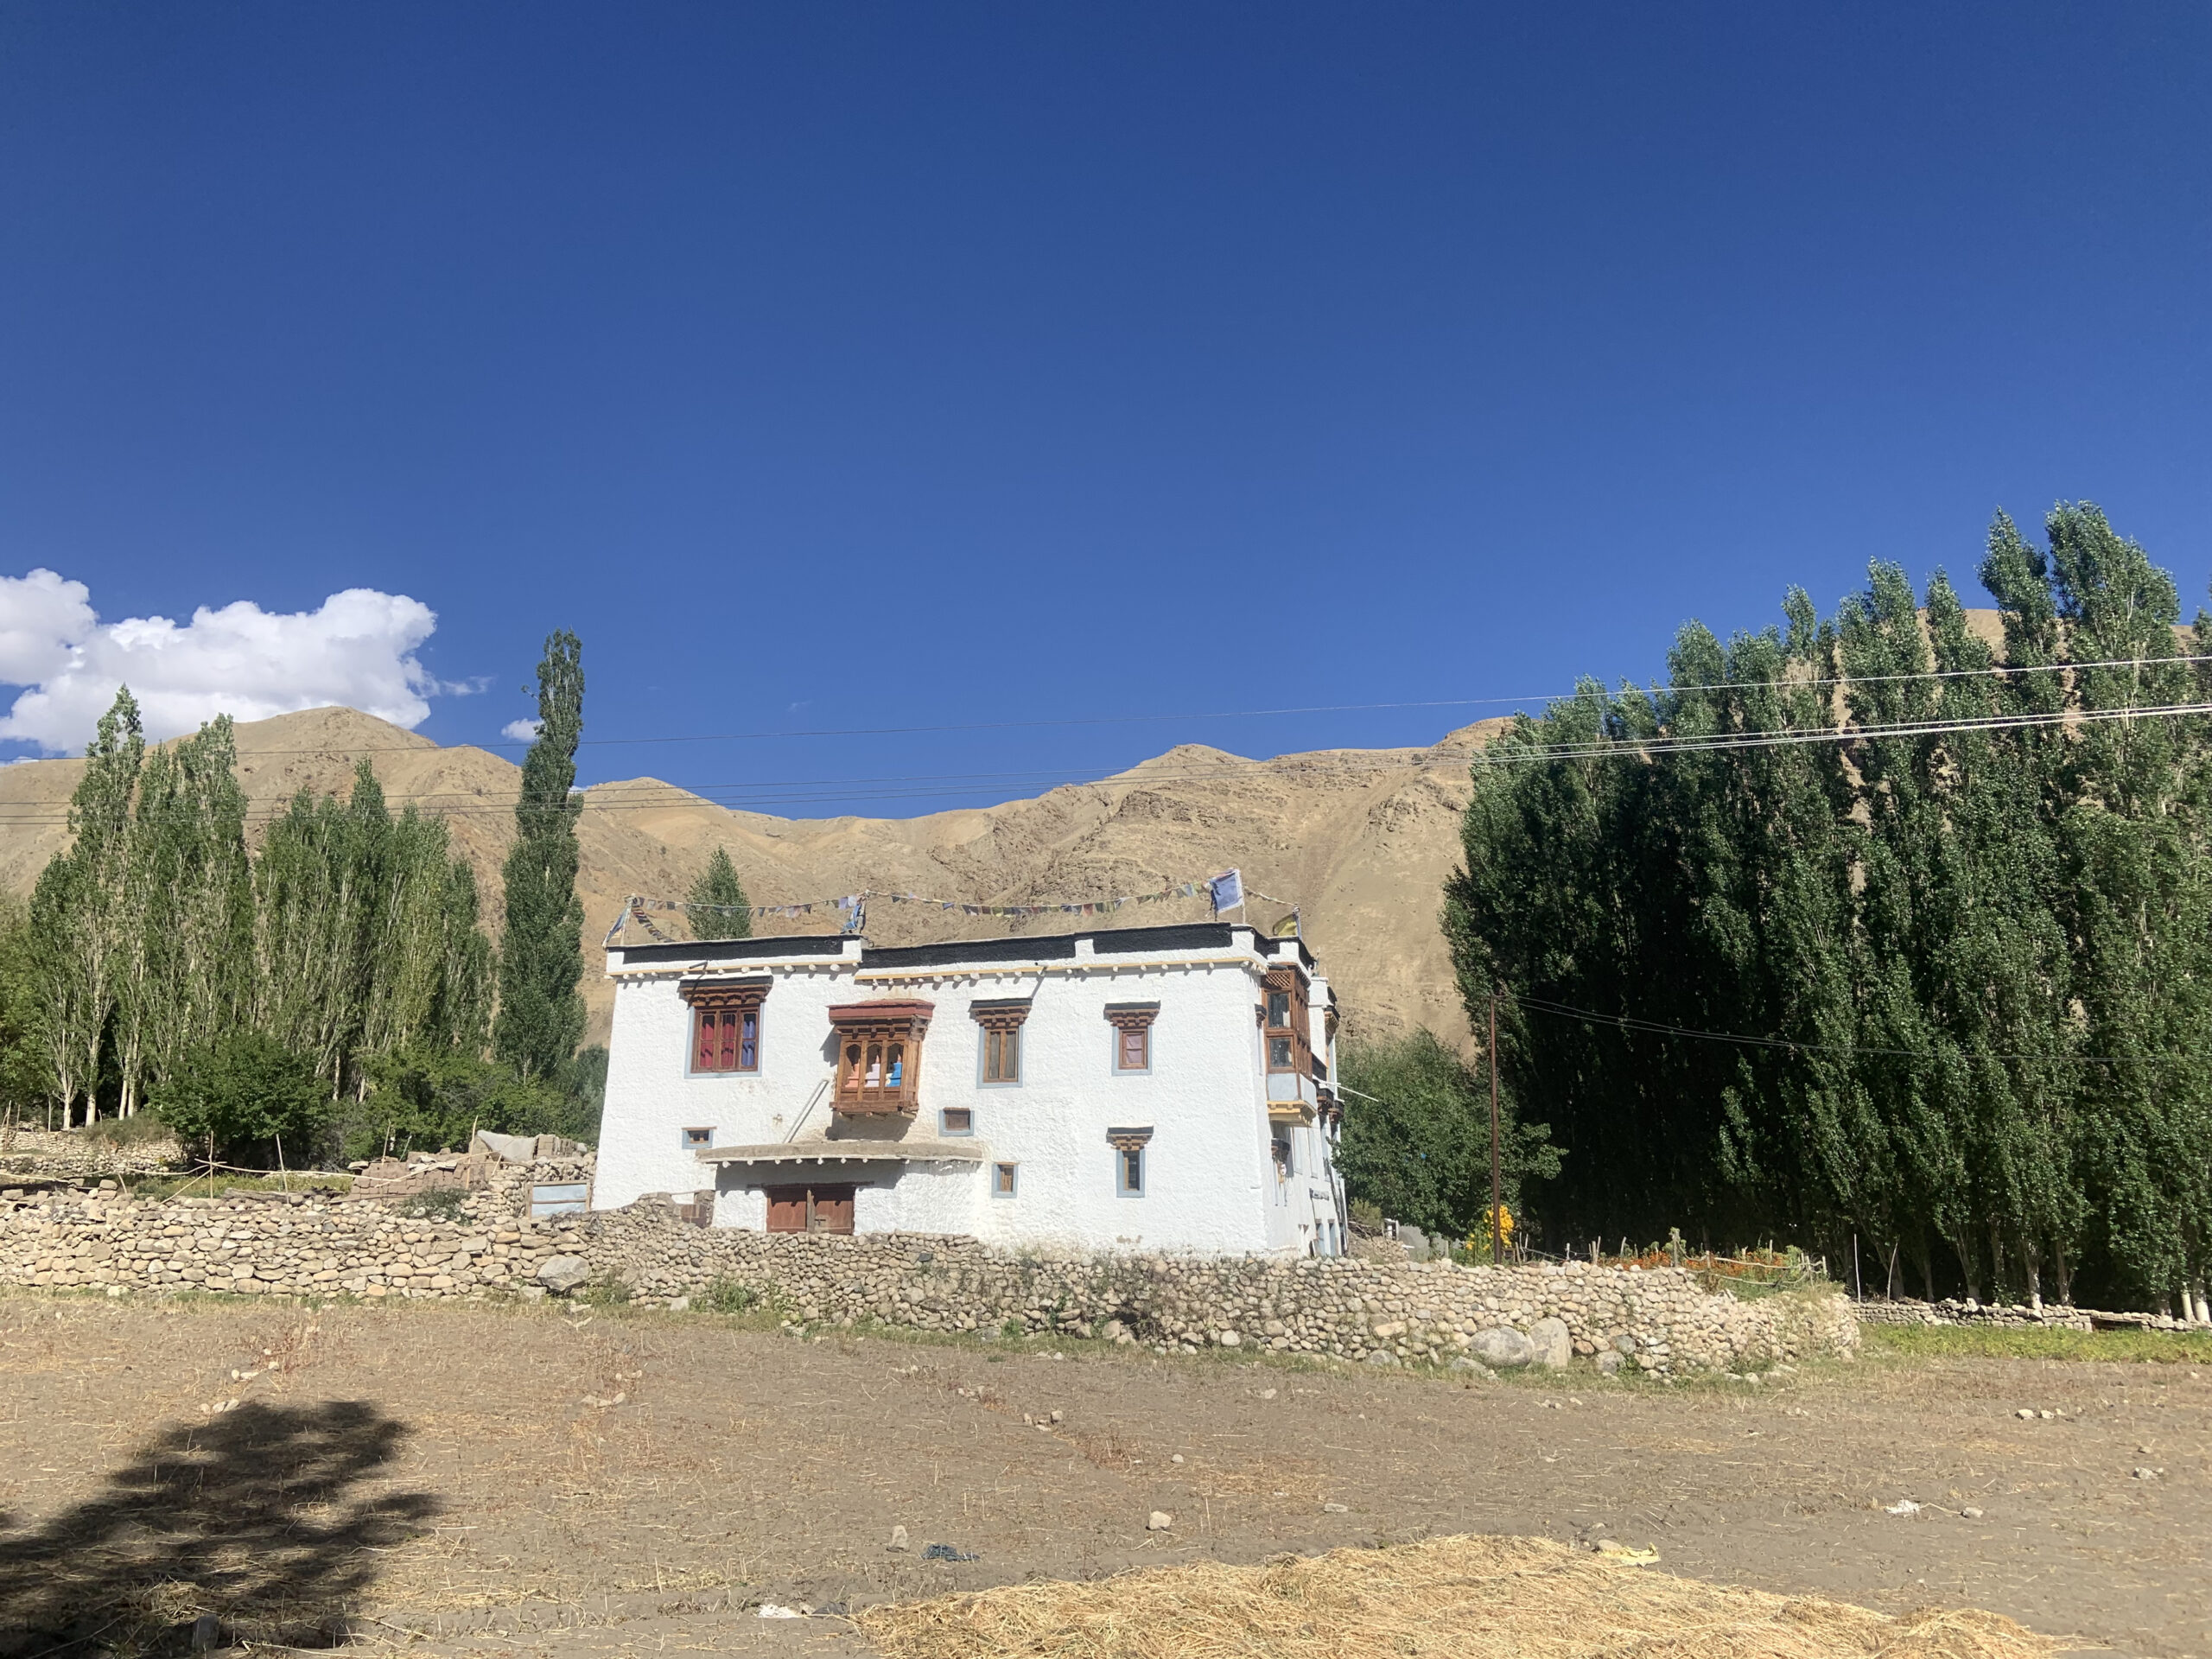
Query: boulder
(562, 1273)
(1472, 1367)
(1552, 1342)
(1608, 1361)
(1502, 1348)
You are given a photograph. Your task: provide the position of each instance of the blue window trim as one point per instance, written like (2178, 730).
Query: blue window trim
(1121, 1186)
(1012, 1189)
(945, 1130)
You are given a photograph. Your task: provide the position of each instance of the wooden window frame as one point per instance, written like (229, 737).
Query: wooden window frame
(1131, 1019)
(944, 1121)
(1011, 1174)
(879, 1057)
(1288, 1046)
(999, 1036)
(1129, 1149)
(724, 1007)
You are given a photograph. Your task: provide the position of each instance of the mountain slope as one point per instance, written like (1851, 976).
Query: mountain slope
(1360, 839)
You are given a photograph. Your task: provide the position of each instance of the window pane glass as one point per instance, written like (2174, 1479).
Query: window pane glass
(1279, 1052)
(728, 1062)
(703, 1058)
(748, 1048)
(1010, 1056)
(1132, 1051)
(1278, 1008)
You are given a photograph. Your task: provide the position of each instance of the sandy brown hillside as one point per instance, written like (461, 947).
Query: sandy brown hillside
(1360, 839)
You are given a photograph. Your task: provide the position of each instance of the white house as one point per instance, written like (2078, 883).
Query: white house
(1150, 1088)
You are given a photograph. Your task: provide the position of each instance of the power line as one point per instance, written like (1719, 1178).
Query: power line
(1629, 1023)
(615, 797)
(1994, 669)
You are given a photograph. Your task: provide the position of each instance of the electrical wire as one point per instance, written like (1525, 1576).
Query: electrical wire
(1786, 684)
(1628, 1022)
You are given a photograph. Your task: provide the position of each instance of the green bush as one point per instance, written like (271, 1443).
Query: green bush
(726, 1295)
(251, 1100)
(427, 1101)
(608, 1291)
(138, 1130)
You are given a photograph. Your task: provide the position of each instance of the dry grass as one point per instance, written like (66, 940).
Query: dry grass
(1447, 1599)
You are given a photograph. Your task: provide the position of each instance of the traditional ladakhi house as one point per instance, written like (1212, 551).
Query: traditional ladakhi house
(1146, 1088)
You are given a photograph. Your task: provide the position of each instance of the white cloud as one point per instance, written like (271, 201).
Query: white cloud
(519, 731)
(358, 648)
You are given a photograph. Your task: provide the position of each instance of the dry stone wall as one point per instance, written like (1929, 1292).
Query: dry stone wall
(1660, 1320)
(301, 1244)
(1402, 1314)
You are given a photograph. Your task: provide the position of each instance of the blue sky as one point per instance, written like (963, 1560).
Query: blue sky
(837, 366)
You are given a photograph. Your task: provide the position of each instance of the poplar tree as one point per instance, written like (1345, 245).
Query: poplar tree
(720, 909)
(1956, 985)
(541, 1012)
(81, 910)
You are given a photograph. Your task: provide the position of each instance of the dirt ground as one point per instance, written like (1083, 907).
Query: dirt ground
(483, 1480)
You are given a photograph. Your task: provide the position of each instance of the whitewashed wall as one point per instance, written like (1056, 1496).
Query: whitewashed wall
(1209, 1180)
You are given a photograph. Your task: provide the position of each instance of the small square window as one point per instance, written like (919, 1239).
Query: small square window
(1129, 1172)
(956, 1120)
(1003, 1179)
(699, 1138)
(1135, 1050)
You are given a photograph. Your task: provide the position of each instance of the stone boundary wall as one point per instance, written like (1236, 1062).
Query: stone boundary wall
(66, 1155)
(297, 1244)
(1384, 1314)
(1381, 1313)
(2051, 1316)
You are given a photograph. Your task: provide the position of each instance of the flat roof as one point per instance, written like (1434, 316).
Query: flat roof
(1019, 947)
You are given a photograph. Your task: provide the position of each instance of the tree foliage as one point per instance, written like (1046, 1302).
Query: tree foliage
(1972, 966)
(248, 1100)
(719, 908)
(1416, 1137)
(541, 1013)
(156, 937)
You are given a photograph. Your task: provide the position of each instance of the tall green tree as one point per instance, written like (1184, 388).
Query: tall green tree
(1416, 1137)
(541, 1012)
(1941, 981)
(719, 908)
(82, 911)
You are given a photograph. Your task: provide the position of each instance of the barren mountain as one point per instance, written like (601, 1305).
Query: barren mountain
(1358, 840)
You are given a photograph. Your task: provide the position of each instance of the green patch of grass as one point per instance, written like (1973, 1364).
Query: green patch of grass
(2003, 1342)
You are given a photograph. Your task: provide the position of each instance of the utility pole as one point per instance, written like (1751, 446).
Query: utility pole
(1497, 1198)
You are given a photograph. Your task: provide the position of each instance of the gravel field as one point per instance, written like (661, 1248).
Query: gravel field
(480, 1480)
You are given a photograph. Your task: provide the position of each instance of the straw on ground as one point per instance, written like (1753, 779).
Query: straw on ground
(1469, 1597)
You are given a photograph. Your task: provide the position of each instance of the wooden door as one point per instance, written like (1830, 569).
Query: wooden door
(833, 1210)
(810, 1209)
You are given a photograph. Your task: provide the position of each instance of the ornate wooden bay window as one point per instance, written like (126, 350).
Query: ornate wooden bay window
(879, 1056)
(1286, 1019)
(725, 1023)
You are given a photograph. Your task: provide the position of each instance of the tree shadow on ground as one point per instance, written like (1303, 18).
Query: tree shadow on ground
(259, 1519)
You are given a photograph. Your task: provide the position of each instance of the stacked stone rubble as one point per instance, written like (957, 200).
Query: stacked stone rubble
(1402, 1313)
(1379, 1313)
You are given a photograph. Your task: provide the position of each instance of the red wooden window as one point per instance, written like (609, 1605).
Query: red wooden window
(1132, 1023)
(726, 1023)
